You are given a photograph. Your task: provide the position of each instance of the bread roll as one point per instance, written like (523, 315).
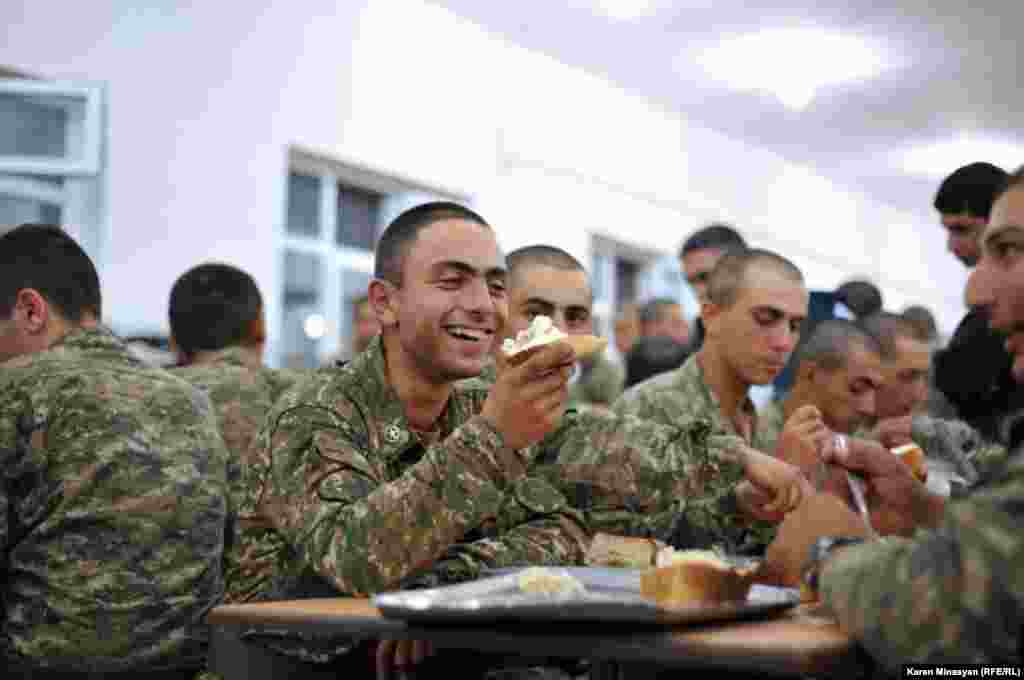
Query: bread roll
(696, 576)
(913, 456)
(543, 332)
(607, 550)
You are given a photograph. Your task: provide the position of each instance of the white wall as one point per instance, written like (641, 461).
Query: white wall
(205, 99)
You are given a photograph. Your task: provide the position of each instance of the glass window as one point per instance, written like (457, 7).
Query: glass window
(49, 128)
(303, 205)
(358, 217)
(15, 210)
(304, 322)
(626, 273)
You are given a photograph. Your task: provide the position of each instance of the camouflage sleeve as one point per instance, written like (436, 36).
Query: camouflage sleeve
(535, 526)
(364, 534)
(635, 477)
(959, 445)
(949, 595)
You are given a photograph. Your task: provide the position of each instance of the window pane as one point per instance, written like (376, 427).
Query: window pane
(304, 323)
(626, 279)
(303, 205)
(34, 126)
(358, 217)
(16, 210)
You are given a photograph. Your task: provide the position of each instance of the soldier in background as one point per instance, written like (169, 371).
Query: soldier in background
(545, 280)
(395, 470)
(838, 371)
(698, 256)
(954, 593)
(218, 332)
(114, 484)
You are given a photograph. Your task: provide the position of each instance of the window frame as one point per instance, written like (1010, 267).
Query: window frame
(336, 259)
(90, 130)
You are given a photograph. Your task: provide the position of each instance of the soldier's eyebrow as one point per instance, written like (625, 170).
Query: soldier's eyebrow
(995, 235)
(539, 302)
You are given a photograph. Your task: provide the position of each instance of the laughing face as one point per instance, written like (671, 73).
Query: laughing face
(998, 280)
(452, 302)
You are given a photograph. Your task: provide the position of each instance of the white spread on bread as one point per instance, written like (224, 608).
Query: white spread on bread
(549, 581)
(540, 332)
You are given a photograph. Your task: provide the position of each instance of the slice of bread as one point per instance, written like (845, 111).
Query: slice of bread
(695, 576)
(913, 456)
(583, 345)
(607, 550)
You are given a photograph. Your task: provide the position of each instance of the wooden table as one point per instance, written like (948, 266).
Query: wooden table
(799, 642)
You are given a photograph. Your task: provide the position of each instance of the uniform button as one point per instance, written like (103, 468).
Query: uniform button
(393, 434)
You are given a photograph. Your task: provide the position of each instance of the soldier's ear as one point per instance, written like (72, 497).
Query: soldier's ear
(709, 314)
(384, 301)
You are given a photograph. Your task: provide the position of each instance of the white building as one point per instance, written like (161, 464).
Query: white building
(277, 136)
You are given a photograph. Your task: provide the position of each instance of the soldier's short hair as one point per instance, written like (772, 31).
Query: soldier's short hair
(1011, 181)
(861, 297)
(728, 276)
(545, 255)
(831, 343)
(394, 243)
(717, 236)
(46, 258)
(214, 306)
(970, 190)
(923, 320)
(887, 328)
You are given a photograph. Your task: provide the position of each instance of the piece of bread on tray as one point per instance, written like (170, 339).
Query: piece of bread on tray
(696, 576)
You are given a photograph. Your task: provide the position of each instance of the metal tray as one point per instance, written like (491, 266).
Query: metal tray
(612, 596)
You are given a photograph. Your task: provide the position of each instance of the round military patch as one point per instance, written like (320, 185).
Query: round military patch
(393, 434)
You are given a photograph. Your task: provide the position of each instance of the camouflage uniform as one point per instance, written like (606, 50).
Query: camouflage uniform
(955, 594)
(770, 422)
(958, 444)
(351, 501)
(242, 394)
(600, 383)
(114, 511)
(680, 396)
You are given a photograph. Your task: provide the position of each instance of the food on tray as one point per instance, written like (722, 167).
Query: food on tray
(543, 332)
(549, 581)
(607, 550)
(691, 576)
(913, 456)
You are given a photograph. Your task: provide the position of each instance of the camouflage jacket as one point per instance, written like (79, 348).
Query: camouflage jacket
(600, 383)
(350, 499)
(955, 594)
(241, 394)
(770, 421)
(959, 445)
(681, 396)
(113, 510)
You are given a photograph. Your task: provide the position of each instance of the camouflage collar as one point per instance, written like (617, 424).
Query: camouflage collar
(229, 356)
(92, 342)
(691, 373)
(385, 411)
